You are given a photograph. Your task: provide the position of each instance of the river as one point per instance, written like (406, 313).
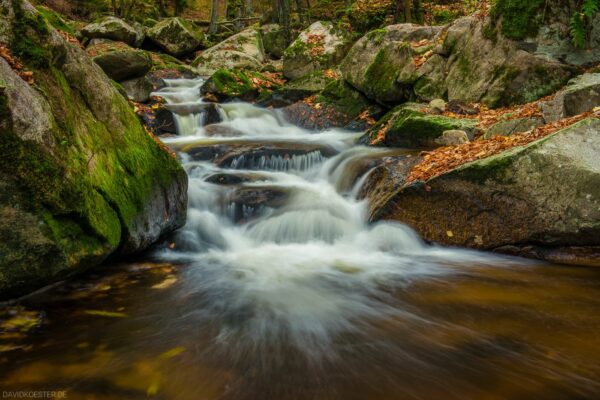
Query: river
(278, 288)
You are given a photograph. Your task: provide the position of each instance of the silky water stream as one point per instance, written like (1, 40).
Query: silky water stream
(278, 288)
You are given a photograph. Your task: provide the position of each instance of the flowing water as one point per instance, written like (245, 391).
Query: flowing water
(278, 288)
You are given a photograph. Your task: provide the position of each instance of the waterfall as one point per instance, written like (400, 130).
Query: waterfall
(292, 252)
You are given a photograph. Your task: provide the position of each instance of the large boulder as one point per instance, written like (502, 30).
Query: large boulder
(176, 36)
(119, 61)
(544, 26)
(116, 29)
(337, 105)
(320, 46)
(374, 64)
(544, 194)
(238, 84)
(465, 62)
(409, 126)
(486, 67)
(80, 179)
(273, 38)
(240, 51)
(582, 94)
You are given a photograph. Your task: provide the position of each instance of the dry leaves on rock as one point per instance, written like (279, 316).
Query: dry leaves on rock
(16, 65)
(444, 159)
(71, 39)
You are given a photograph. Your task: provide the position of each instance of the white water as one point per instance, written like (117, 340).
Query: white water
(309, 269)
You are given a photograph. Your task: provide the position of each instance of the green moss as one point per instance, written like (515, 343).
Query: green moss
(518, 19)
(413, 129)
(227, 84)
(381, 76)
(30, 30)
(343, 98)
(56, 20)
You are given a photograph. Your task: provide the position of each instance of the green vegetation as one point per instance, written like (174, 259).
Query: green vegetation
(519, 19)
(30, 30)
(582, 23)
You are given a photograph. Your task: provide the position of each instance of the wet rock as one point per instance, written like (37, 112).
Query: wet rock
(246, 203)
(386, 178)
(243, 51)
(138, 89)
(267, 196)
(158, 75)
(321, 45)
(338, 105)
(80, 179)
(406, 127)
(297, 89)
(238, 84)
(512, 126)
(234, 178)
(176, 36)
(581, 94)
(251, 155)
(543, 194)
(114, 29)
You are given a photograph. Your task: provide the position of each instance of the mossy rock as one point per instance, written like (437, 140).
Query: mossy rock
(243, 50)
(80, 179)
(124, 64)
(518, 19)
(57, 20)
(116, 29)
(238, 84)
(406, 127)
(273, 39)
(176, 36)
(337, 105)
(545, 193)
(320, 46)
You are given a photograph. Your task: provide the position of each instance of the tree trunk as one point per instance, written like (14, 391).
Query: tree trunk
(214, 14)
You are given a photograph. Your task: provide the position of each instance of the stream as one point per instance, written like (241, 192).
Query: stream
(278, 288)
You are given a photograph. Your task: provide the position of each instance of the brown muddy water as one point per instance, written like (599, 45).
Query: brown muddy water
(136, 331)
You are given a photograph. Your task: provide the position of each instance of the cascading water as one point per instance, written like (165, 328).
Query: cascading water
(278, 289)
(307, 269)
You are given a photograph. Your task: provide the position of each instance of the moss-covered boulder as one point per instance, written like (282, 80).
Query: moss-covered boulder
(486, 67)
(408, 127)
(465, 61)
(240, 51)
(176, 36)
(545, 195)
(228, 84)
(119, 61)
(298, 89)
(80, 179)
(381, 64)
(337, 105)
(273, 38)
(318, 47)
(116, 29)
(544, 25)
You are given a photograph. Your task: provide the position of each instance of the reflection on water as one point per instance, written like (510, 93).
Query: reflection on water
(277, 288)
(488, 333)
